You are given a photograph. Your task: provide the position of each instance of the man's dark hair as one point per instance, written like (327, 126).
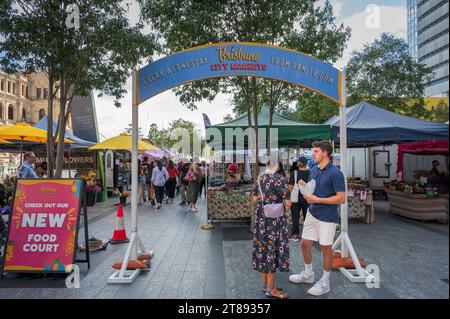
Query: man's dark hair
(325, 146)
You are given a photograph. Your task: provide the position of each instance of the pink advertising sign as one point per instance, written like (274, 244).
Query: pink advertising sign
(43, 226)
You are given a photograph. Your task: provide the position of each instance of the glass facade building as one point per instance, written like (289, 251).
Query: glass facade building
(412, 28)
(428, 40)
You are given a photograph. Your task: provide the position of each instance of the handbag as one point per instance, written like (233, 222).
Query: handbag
(271, 210)
(295, 190)
(190, 176)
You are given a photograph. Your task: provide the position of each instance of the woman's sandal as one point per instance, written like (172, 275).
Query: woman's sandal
(264, 288)
(276, 294)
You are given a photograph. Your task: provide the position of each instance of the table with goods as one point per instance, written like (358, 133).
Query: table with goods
(417, 200)
(360, 200)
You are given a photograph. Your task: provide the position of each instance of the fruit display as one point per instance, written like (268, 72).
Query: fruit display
(411, 188)
(357, 181)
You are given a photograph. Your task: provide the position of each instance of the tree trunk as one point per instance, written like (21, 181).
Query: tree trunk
(61, 130)
(255, 118)
(50, 145)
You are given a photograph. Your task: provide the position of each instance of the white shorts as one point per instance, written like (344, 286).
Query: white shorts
(316, 230)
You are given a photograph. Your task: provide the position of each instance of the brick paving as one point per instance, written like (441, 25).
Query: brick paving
(193, 263)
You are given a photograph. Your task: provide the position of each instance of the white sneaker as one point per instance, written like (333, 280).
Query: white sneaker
(302, 278)
(320, 288)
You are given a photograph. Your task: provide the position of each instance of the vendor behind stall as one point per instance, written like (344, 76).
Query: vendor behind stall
(439, 176)
(231, 176)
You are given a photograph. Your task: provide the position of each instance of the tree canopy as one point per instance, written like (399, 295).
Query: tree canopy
(86, 46)
(384, 73)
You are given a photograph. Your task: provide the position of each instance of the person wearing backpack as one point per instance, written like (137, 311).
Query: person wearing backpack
(159, 178)
(299, 203)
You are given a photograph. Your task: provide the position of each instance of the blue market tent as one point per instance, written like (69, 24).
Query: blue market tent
(369, 125)
(78, 142)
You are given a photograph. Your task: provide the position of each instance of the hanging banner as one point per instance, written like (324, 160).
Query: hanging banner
(43, 227)
(238, 59)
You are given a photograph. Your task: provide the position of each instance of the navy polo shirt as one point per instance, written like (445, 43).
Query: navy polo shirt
(329, 181)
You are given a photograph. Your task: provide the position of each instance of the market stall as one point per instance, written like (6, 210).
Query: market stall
(422, 195)
(370, 126)
(360, 200)
(229, 194)
(224, 205)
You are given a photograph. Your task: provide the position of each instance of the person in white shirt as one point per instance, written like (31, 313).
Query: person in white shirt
(159, 178)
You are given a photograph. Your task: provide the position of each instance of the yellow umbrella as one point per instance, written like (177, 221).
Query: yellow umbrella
(25, 132)
(122, 142)
(4, 142)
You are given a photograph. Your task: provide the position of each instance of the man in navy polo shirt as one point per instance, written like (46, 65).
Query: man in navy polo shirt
(322, 216)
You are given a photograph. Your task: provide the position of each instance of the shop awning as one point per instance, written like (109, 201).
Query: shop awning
(290, 133)
(421, 148)
(78, 143)
(369, 125)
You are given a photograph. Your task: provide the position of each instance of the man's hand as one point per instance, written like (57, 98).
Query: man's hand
(313, 199)
(301, 182)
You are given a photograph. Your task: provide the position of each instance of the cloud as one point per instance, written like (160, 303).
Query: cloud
(370, 24)
(337, 7)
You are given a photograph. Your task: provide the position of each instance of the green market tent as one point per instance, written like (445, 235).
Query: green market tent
(290, 133)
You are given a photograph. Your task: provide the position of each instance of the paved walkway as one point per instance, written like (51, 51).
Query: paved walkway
(194, 263)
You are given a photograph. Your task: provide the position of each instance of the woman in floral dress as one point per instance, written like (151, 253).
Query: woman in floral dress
(270, 249)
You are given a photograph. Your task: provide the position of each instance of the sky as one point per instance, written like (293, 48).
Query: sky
(367, 20)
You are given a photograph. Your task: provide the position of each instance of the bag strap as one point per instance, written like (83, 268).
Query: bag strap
(260, 190)
(295, 177)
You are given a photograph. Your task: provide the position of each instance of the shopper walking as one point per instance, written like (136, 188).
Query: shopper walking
(141, 185)
(159, 178)
(184, 183)
(192, 177)
(171, 182)
(202, 179)
(270, 251)
(148, 181)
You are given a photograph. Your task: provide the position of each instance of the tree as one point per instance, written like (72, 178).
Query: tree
(295, 24)
(25, 27)
(92, 54)
(439, 113)
(384, 73)
(311, 108)
(162, 138)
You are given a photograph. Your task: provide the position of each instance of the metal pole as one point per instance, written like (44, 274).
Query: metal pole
(134, 162)
(206, 187)
(343, 160)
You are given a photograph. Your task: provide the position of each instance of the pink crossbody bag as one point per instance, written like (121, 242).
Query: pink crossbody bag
(271, 210)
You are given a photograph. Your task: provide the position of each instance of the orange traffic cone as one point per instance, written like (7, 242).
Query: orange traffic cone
(120, 235)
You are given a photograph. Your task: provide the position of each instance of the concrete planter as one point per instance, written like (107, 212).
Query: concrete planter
(418, 206)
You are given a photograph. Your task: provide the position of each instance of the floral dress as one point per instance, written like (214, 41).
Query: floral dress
(270, 249)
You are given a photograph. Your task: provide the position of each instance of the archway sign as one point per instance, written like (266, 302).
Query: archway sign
(227, 60)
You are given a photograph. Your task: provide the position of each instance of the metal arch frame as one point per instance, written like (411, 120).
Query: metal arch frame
(123, 276)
